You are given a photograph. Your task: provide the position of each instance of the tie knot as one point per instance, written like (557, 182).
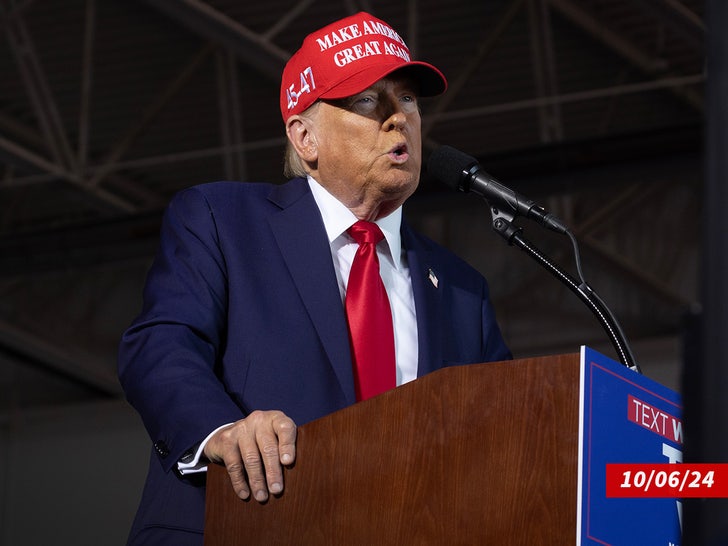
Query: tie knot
(366, 232)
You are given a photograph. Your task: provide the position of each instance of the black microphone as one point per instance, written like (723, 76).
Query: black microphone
(462, 172)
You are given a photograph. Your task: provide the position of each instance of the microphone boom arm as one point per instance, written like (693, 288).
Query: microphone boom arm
(503, 225)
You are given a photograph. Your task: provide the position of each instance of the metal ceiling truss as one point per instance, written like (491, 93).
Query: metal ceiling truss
(258, 50)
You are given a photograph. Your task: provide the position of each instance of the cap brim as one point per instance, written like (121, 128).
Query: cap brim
(431, 81)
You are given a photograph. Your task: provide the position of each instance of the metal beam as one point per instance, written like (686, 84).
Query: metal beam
(487, 42)
(678, 18)
(578, 15)
(647, 63)
(285, 19)
(155, 161)
(252, 48)
(608, 217)
(34, 350)
(665, 83)
(544, 70)
(37, 88)
(64, 165)
(231, 123)
(79, 247)
(109, 164)
(30, 161)
(86, 83)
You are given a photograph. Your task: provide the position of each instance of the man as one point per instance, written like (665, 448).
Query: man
(248, 326)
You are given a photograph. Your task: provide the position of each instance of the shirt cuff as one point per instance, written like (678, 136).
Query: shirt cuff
(198, 463)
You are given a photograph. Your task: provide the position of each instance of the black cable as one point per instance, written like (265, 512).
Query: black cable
(503, 226)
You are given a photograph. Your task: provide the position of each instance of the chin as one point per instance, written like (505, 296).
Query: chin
(403, 177)
(399, 192)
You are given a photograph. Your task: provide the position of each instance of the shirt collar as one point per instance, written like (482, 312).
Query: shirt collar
(337, 219)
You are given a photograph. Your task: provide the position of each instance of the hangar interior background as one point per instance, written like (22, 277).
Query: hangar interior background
(593, 108)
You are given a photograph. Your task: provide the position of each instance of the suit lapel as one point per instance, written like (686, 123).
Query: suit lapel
(428, 301)
(302, 240)
(301, 237)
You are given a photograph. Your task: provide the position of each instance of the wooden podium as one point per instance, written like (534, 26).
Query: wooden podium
(478, 454)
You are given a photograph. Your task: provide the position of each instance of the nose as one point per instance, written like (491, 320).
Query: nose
(395, 116)
(396, 120)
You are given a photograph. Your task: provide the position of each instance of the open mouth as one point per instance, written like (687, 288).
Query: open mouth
(399, 153)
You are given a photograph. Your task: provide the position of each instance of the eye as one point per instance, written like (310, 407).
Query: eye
(365, 99)
(363, 104)
(409, 102)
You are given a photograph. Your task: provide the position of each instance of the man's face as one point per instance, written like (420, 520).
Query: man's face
(369, 147)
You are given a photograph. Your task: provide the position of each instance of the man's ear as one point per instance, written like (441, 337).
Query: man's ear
(302, 138)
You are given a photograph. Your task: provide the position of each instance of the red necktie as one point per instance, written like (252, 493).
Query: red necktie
(370, 318)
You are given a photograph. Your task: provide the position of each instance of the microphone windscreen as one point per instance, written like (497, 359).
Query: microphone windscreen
(449, 166)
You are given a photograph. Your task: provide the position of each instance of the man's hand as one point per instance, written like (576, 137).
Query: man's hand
(254, 451)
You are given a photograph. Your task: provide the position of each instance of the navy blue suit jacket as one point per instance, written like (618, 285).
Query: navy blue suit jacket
(242, 312)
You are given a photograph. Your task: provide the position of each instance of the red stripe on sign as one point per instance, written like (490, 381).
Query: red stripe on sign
(654, 419)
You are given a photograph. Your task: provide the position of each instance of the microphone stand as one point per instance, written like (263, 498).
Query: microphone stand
(503, 225)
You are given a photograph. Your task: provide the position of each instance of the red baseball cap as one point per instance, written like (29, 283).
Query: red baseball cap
(347, 57)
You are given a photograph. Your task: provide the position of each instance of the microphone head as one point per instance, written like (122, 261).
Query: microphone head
(451, 166)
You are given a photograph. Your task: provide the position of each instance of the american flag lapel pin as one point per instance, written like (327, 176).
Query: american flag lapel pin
(432, 277)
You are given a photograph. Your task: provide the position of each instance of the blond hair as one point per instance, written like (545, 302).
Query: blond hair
(293, 165)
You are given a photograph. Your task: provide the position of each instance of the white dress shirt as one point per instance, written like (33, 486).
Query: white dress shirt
(393, 268)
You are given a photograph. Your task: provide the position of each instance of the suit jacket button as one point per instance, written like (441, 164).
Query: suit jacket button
(161, 448)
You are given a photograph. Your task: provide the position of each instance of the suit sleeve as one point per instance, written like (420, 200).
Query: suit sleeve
(169, 356)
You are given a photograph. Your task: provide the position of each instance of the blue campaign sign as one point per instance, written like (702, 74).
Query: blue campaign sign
(625, 417)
